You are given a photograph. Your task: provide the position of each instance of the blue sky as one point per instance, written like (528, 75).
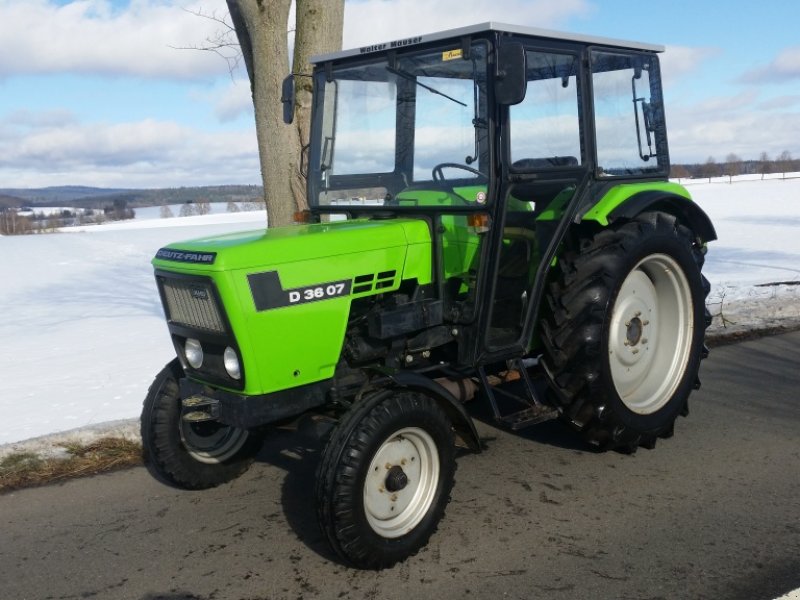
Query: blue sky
(96, 93)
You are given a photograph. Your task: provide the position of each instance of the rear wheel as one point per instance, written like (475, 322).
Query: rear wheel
(385, 478)
(190, 455)
(624, 335)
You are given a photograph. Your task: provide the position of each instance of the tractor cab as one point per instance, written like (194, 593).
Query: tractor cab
(499, 137)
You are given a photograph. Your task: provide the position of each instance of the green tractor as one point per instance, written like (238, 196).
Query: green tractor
(490, 216)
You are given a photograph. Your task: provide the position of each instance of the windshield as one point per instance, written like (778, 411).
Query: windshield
(409, 132)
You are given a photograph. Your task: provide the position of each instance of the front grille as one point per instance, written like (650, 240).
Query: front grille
(192, 304)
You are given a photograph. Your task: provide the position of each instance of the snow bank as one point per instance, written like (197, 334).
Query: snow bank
(83, 330)
(54, 445)
(754, 266)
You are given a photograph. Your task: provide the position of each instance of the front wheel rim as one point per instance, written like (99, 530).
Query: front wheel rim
(401, 482)
(651, 333)
(211, 442)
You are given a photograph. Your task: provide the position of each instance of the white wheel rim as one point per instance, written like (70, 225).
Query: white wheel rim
(650, 337)
(210, 442)
(393, 513)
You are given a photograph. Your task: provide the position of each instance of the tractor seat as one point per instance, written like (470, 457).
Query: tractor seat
(544, 163)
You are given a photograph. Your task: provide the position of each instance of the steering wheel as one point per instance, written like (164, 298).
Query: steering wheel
(438, 175)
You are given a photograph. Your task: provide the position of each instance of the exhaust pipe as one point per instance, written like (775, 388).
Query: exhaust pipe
(462, 390)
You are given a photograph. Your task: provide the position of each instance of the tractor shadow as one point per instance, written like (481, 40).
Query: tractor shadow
(555, 433)
(550, 433)
(297, 452)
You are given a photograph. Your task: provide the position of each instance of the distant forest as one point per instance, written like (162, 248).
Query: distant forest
(99, 198)
(84, 206)
(734, 165)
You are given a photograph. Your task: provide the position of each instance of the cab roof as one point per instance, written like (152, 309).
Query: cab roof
(489, 26)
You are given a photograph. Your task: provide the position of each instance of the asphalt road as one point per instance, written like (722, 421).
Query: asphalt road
(712, 513)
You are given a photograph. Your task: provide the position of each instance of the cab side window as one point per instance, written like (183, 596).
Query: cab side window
(545, 127)
(630, 131)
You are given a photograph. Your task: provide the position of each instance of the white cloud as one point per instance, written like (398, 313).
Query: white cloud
(146, 153)
(734, 124)
(678, 61)
(788, 62)
(228, 100)
(36, 120)
(369, 21)
(233, 101)
(141, 38)
(780, 102)
(785, 67)
(717, 106)
(91, 36)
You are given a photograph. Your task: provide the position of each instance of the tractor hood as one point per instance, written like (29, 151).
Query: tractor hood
(249, 249)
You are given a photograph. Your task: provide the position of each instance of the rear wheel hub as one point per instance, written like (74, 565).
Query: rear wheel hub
(634, 331)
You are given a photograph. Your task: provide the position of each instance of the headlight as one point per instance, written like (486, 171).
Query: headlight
(194, 353)
(232, 363)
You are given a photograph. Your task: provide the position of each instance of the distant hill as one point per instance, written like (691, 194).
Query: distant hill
(10, 201)
(90, 197)
(63, 194)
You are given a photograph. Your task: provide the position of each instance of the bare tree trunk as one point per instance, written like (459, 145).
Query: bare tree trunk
(261, 27)
(319, 30)
(266, 24)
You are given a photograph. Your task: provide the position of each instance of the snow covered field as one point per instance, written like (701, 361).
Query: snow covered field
(754, 266)
(83, 333)
(82, 330)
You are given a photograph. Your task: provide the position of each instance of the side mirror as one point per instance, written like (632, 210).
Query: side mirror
(510, 83)
(287, 97)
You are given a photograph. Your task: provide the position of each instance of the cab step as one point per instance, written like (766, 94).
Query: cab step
(528, 417)
(522, 395)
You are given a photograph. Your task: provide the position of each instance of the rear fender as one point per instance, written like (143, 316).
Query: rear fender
(626, 201)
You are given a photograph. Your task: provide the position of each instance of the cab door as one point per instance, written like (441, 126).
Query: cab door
(544, 160)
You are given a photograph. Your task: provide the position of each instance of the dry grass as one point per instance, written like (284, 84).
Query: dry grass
(25, 469)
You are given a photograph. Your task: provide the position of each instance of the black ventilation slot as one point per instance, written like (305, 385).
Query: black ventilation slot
(385, 280)
(367, 283)
(363, 283)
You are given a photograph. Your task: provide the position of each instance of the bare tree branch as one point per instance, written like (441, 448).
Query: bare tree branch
(224, 42)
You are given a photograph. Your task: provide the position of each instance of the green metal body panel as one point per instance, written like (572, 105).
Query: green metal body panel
(295, 243)
(460, 243)
(555, 210)
(619, 194)
(290, 346)
(459, 196)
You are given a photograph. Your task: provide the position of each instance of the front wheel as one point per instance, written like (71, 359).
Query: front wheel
(624, 334)
(385, 478)
(190, 455)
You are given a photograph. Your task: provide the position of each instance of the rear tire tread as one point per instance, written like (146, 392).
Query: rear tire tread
(578, 300)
